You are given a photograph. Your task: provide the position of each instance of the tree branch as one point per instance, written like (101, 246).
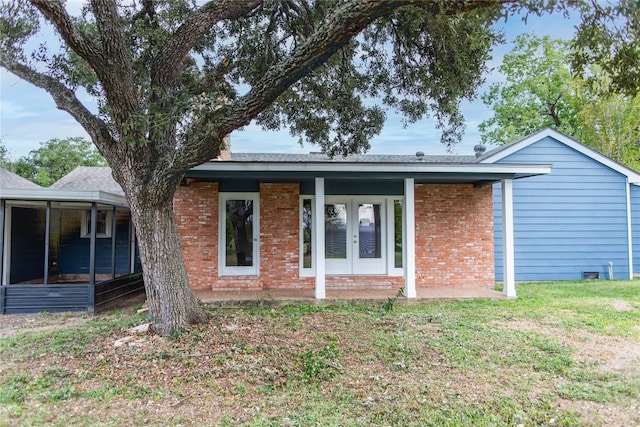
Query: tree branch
(54, 11)
(349, 19)
(166, 67)
(66, 100)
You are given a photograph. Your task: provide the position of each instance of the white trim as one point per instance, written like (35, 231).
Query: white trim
(318, 250)
(85, 232)
(309, 271)
(392, 270)
(409, 240)
(46, 194)
(514, 147)
(629, 230)
(360, 167)
(508, 252)
(254, 269)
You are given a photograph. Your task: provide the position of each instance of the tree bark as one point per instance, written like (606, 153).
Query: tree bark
(172, 303)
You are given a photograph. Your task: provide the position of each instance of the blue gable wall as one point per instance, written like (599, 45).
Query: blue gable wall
(571, 221)
(635, 226)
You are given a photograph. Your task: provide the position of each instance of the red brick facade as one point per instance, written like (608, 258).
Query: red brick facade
(454, 239)
(454, 235)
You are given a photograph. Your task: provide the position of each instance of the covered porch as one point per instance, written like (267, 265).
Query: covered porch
(65, 251)
(299, 227)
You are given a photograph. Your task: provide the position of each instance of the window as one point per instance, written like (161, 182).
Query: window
(103, 223)
(397, 233)
(307, 244)
(239, 245)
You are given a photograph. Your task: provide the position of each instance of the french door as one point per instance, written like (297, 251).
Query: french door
(355, 233)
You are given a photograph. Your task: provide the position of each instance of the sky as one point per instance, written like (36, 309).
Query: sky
(28, 115)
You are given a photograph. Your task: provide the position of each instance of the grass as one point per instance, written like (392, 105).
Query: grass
(562, 354)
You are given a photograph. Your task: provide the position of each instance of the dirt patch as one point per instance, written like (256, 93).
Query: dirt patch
(14, 324)
(621, 305)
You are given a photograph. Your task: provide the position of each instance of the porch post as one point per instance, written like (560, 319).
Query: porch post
(318, 247)
(507, 239)
(409, 238)
(132, 246)
(2, 255)
(92, 246)
(113, 243)
(47, 236)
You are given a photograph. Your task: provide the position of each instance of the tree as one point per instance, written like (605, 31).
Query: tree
(542, 91)
(56, 158)
(172, 78)
(534, 96)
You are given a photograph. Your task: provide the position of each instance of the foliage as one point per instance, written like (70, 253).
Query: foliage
(54, 159)
(440, 363)
(542, 91)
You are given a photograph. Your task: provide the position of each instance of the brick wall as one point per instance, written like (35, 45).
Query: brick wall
(454, 235)
(280, 236)
(196, 210)
(454, 239)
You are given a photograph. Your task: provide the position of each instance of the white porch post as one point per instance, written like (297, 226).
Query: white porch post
(409, 229)
(507, 239)
(318, 240)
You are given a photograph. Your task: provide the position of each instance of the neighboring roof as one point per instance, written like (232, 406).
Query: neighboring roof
(83, 184)
(9, 180)
(513, 147)
(89, 178)
(354, 158)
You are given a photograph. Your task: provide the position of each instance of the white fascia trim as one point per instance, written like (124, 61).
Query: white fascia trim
(375, 167)
(633, 176)
(64, 196)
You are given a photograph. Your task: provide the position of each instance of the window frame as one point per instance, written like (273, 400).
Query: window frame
(223, 269)
(307, 271)
(85, 227)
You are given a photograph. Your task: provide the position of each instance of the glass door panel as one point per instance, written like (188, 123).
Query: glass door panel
(368, 238)
(369, 230)
(239, 235)
(337, 229)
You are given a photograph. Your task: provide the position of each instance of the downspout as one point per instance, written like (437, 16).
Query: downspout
(629, 231)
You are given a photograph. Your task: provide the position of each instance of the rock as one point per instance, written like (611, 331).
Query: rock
(140, 329)
(122, 341)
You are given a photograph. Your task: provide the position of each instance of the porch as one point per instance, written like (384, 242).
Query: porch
(275, 297)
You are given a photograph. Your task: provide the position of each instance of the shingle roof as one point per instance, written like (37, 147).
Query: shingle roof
(9, 180)
(355, 158)
(89, 178)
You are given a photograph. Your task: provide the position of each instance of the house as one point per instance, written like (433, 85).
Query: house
(582, 220)
(269, 221)
(69, 247)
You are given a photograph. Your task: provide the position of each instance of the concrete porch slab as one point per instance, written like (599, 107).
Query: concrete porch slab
(244, 297)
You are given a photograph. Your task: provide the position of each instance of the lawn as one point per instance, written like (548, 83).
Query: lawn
(562, 354)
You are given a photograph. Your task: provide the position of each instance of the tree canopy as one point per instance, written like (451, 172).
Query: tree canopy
(174, 77)
(54, 159)
(541, 90)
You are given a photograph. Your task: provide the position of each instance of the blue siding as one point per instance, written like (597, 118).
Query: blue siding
(27, 244)
(73, 252)
(635, 226)
(571, 221)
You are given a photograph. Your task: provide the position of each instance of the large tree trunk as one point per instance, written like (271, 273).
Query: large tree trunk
(172, 303)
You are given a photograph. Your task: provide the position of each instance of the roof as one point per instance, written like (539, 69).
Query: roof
(9, 180)
(354, 158)
(89, 178)
(304, 167)
(84, 184)
(511, 148)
